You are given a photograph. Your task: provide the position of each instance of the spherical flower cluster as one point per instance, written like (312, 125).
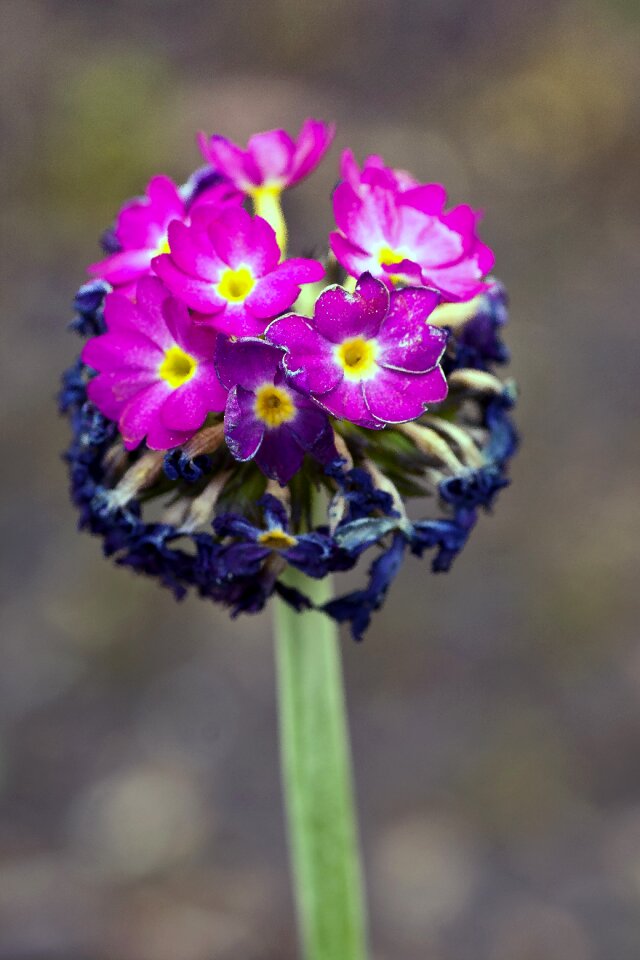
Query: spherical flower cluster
(242, 389)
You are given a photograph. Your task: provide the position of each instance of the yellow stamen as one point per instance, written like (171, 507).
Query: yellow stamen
(177, 367)
(357, 357)
(236, 285)
(387, 256)
(276, 540)
(163, 247)
(274, 406)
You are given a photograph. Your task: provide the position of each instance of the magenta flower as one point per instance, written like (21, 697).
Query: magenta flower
(374, 171)
(156, 368)
(226, 267)
(142, 225)
(272, 160)
(368, 357)
(266, 419)
(399, 233)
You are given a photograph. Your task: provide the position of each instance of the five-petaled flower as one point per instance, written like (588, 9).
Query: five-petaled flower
(226, 267)
(141, 229)
(309, 552)
(368, 357)
(156, 373)
(400, 233)
(266, 419)
(273, 160)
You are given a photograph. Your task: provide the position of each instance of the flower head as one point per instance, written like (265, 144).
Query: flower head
(369, 357)
(227, 268)
(209, 425)
(156, 376)
(404, 236)
(272, 160)
(141, 229)
(266, 419)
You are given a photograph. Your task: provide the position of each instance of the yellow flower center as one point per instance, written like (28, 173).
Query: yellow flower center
(276, 540)
(357, 357)
(387, 256)
(163, 247)
(236, 285)
(177, 367)
(274, 405)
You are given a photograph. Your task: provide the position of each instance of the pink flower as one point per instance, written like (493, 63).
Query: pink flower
(397, 230)
(368, 357)
(156, 368)
(374, 171)
(272, 160)
(142, 224)
(226, 267)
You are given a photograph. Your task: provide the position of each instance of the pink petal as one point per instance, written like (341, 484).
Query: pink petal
(122, 267)
(199, 295)
(314, 140)
(340, 314)
(346, 401)
(185, 409)
(235, 163)
(192, 252)
(242, 240)
(111, 393)
(300, 270)
(140, 413)
(111, 352)
(394, 397)
(271, 153)
(151, 296)
(309, 360)
(271, 295)
(354, 260)
(198, 340)
(407, 342)
(428, 197)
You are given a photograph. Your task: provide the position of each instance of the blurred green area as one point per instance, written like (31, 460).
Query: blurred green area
(496, 711)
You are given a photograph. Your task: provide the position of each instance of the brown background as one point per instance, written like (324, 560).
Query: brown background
(495, 711)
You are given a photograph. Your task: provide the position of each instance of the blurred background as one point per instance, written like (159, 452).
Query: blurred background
(495, 711)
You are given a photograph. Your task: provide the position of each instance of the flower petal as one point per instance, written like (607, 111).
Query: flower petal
(242, 240)
(309, 359)
(339, 314)
(394, 397)
(407, 342)
(280, 455)
(243, 431)
(247, 363)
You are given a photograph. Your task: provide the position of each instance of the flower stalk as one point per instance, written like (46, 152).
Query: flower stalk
(317, 780)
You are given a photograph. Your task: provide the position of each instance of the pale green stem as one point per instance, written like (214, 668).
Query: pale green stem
(266, 204)
(317, 780)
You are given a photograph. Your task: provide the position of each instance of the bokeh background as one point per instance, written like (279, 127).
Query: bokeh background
(495, 711)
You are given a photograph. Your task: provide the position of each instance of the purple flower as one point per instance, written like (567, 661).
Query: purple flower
(156, 371)
(403, 236)
(142, 224)
(272, 160)
(226, 267)
(266, 419)
(368, 357)
(311, 552)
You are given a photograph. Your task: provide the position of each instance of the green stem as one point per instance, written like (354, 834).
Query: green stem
(317, 780)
